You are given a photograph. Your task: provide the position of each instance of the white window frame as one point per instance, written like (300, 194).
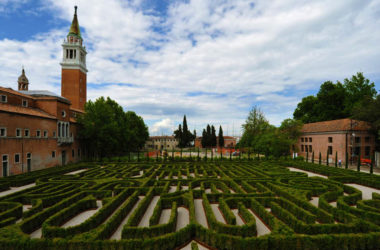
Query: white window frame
(27, 136)
(19, 158)
(2, 163)
(38, 133)
(20, 132)
(46, 134)
(5, 131)
(24, 103)
(5, 98)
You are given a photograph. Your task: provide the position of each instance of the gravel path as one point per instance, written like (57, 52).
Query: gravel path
(148, 213)
(79, 218)
(172, 189)
(185, 187)
(314, 200)
(183, 218)
(366, 191)
(309, 174)
(16, 189)
(262, 229)
(200, 212)
(239, 220)
(218, 215)
(117, 234)
(165, 216)
(77, 172)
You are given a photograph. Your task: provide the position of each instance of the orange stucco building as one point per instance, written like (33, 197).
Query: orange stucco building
(38, 128)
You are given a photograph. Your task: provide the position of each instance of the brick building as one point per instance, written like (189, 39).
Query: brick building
(38, 128)
(341, 136)
(229, 142)
(161, 143)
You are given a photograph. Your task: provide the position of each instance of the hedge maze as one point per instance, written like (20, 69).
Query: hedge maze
(252, 204)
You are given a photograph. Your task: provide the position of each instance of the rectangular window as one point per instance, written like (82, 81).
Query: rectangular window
(302, 148)
(367, 139)
(45, 134)
(302, 140)
(305, 139)
(72, 153)
(330, 140)
(78, 152)
(3, 98)
(54, 134)
(3, 132)
(52, 154)
(357, 150)
(25, 103)
(330, 150)
(357, 139)
(310, 140)
(310, 148)
(306, 148)
(18, 132)
(26, 132)
(17, 158)
(367, 150)
(38, 133)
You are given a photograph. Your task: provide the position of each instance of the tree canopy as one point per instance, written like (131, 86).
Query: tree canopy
(106, 130)
(184, 136)
(336, 100)
(267, 139)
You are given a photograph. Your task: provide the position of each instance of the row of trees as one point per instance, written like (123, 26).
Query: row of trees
(184, 136)
(106, 130)
(209, 138)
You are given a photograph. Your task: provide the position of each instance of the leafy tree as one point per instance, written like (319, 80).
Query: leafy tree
(255, 125)
(106, 130)
(221, 138)
(178, 135)
(336, 100)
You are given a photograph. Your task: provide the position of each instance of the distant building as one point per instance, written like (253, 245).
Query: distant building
(161, 143)
(229, 142)
(342, 136)
(38, 128)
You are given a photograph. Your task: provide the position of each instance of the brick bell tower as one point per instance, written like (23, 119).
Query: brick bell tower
(74, 71)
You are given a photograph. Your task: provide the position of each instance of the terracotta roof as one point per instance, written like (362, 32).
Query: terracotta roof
(14, 92)
(336, 125)
(25, 111)
(77, 110)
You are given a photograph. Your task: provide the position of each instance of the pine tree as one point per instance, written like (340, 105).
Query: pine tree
(213, 136)
(221, 138)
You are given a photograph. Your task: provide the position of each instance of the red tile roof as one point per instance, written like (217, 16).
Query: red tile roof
(336, 125)
(14, 92)
(25, 111)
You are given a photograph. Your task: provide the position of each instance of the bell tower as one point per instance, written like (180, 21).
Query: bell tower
(23, 82)
(74, 71)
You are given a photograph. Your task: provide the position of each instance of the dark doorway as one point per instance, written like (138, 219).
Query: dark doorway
(5, 165)
(63, 157)
(29, 161)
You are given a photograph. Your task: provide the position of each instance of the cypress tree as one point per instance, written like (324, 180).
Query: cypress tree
(204, 139)
(358, 168)
(307, 156)
(221, 138)
(327, 158)
(208, 136)
(320, 158)
(336, 159)
(372, 159)
(312, 157)
(185, 133)
(213, 136)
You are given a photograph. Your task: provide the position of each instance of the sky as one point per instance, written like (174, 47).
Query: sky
(212, 60)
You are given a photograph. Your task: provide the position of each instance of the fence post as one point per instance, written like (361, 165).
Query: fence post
(181, 154)
(320, 158)
(336, 159)
(173, 154)
(307, 156)
(312, 157)
(206, 154)
(190, 153)
(198, 153)
(358, 168)
(230, 155)
(346, 160)
(221, 154)
(156, 156)
(212, 154)
(372, 159)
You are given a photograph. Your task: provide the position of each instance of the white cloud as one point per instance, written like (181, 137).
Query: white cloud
(215, 60)
(163, 127)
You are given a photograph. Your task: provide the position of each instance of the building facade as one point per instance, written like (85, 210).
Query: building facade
(229, 142)
(337, 137)
(161, 143)
(38, 128)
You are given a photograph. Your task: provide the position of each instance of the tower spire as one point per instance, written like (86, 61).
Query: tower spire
(74, 28)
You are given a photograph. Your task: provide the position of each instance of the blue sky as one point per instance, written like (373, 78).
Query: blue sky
(211, 60)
